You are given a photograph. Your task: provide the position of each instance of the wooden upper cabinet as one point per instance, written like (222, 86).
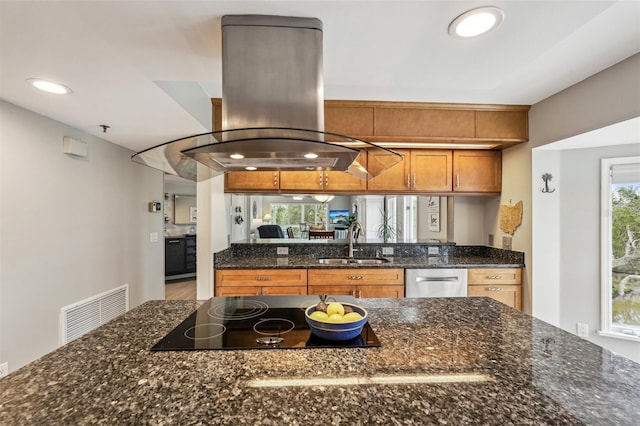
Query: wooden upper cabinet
(394, 178)
(502, 125)
(323, 181)
(302, 181)
(252, 181)
(407, 123)
(431, 170)
(421, 171)
(477, 171)
(348, 120)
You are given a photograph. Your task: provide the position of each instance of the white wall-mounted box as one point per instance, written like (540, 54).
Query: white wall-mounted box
(74, 147)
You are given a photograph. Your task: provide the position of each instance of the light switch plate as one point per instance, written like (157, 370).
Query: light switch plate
(153, 237)
(387, 251)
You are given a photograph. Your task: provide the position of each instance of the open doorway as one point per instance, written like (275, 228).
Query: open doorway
(180, 234)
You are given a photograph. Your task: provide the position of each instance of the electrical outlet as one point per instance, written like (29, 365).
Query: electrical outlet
(387, 251)
(491, 240)
(4, 369)
(283, 251)
(506, 243)
(583, 330)
(433, 250)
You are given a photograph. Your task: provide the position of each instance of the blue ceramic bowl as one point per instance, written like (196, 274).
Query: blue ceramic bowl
(332, 331)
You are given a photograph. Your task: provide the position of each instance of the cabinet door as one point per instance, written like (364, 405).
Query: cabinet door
(395, 178)
(431, 170)
(424, 122)
(251, 181)
(477, 171)
(302, 181)
(380, 291)
(502, 125)
(174, 256)
(332, 290)
(237, 291)
(348, 120)
(508, 294)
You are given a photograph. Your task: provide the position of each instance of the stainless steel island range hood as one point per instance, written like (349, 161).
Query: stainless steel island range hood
(272, 109)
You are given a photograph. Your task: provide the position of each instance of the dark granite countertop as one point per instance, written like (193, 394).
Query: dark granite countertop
(409, 262)
(442, 361)
(408, 256)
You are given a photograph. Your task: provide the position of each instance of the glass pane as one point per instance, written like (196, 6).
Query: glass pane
(625, 249)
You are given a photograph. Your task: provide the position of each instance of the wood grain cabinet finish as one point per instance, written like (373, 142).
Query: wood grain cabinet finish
(357, 282)
(501, 284)
(334, 182)
(415, 122)
(251, 181)
(254, 282)
(421, 170)
(477, 171)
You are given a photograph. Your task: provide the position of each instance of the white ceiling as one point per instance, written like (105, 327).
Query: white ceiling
(147, 68)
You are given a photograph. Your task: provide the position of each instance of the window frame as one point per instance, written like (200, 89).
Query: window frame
(607, 327)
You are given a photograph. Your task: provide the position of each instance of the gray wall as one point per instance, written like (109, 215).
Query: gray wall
(608, 97)
(69, 229)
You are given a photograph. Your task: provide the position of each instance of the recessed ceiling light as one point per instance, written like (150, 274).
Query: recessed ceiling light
(310, 155)
(237, 156)
(49, 86)
(251, 168)
(475, 22)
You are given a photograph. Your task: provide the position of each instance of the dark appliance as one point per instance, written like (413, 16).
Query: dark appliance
(256, 322)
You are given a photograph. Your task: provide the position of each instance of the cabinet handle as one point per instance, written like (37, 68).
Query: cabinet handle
(494, 288)
(409, 180)
(457, 180)
(326, 180)
(414, 180)
(352, 293)
(355, 277)
(275, 179)
(320, 180)
(359, 294)
(262, 278)
(494, 277)
(173, 241)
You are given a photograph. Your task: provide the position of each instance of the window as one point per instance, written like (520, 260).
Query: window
(292, 214)
(620, 247)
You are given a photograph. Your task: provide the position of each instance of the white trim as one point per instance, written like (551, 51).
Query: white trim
(616, 335)
(606, 327)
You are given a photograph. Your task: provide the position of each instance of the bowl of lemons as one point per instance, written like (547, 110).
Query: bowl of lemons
(336, 321)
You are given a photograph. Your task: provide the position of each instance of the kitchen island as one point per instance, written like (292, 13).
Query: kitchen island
(442, 361)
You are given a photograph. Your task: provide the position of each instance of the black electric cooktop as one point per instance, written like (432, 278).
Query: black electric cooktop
(257, 322)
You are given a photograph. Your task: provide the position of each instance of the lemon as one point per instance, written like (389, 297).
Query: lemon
(319, 316)
(335, 308)
(335, 318)
(351, 317)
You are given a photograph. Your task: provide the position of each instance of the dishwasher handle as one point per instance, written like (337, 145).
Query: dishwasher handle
(437, 279)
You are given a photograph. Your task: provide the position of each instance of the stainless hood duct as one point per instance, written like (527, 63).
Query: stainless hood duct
(273, 106)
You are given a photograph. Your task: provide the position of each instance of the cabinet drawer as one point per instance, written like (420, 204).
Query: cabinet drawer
(356, 276)
(508, 294)
(495, 276)
(261, 277)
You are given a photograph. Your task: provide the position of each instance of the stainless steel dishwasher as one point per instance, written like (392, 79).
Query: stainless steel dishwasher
(436, 282)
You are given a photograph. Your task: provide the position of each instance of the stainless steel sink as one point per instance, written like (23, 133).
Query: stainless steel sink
(355, 260)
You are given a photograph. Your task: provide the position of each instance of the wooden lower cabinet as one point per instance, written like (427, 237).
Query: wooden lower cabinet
(357, 282)
(260, 282)
(501, 284)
